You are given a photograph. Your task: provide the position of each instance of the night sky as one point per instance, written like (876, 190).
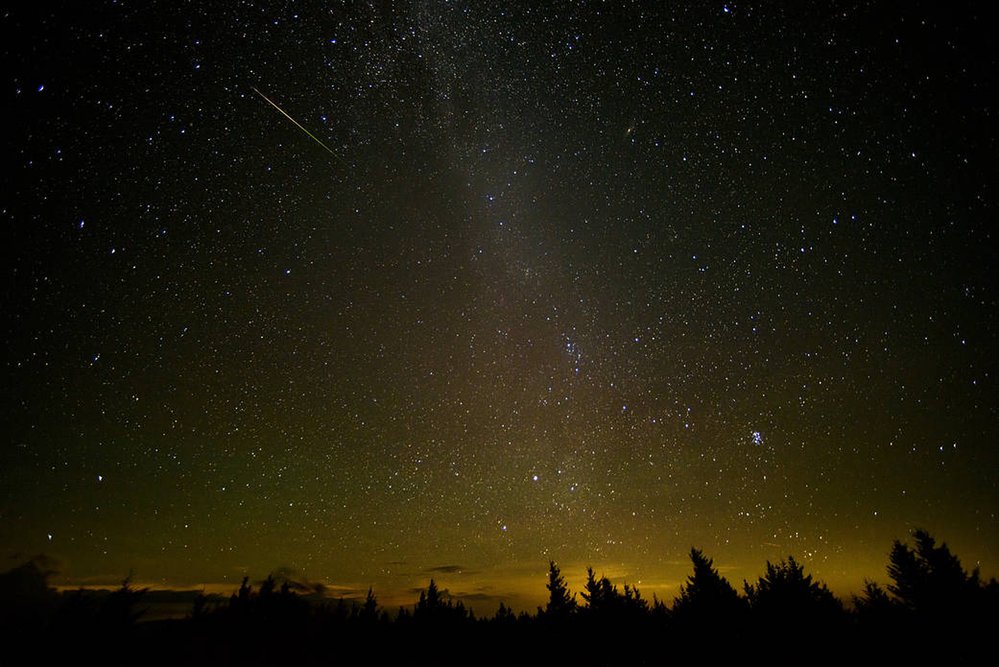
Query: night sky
(594, 282)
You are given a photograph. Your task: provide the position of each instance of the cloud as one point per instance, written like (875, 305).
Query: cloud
(297, 581)
(449, 569)
(475, 597)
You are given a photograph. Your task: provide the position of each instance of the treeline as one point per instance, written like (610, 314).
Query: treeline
(932, 604)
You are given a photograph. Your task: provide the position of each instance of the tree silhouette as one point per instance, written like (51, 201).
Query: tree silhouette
(659, 611)
(874, 600)
(707, 596)
(929, 579)
(634, 604)
(26, 600)
(429, 604)
(930, 598)
(119, 610)
(877, 612)
(504, 616)
(931, 594)
(601, 596)
(561, 603)
(786, 594)
(604, 602)
(369, 611)
(434, 609)
(934, 594)
(240, 601)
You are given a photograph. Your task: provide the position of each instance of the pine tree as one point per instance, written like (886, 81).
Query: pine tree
(561, 603)
(633, 601)
(369, 610)
(707, 594)
(601, 596)
(430, 605)
(504, 615)
(785, 591)
(930, 579)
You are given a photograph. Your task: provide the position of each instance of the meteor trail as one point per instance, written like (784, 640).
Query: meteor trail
(297, 124)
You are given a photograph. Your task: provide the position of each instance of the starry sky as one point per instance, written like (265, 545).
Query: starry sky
(374, 292)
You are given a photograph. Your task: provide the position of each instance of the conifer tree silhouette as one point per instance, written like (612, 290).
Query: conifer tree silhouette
(369, 611)
(929, 579)
(707, 595)
(429, 603)
(561, 603)
(596, 593)
(633, 602)
(504, 615)
(120, 608)
(787, 594)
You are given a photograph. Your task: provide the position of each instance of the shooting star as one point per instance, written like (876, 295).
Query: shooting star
(297, 124)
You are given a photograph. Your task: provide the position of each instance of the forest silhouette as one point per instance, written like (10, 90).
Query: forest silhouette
(931, 607)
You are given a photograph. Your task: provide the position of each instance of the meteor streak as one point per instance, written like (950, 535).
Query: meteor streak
(297, 124)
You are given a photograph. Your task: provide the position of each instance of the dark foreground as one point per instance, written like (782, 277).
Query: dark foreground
(932, 611)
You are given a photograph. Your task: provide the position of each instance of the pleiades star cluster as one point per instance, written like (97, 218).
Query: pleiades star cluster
(369, 293)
